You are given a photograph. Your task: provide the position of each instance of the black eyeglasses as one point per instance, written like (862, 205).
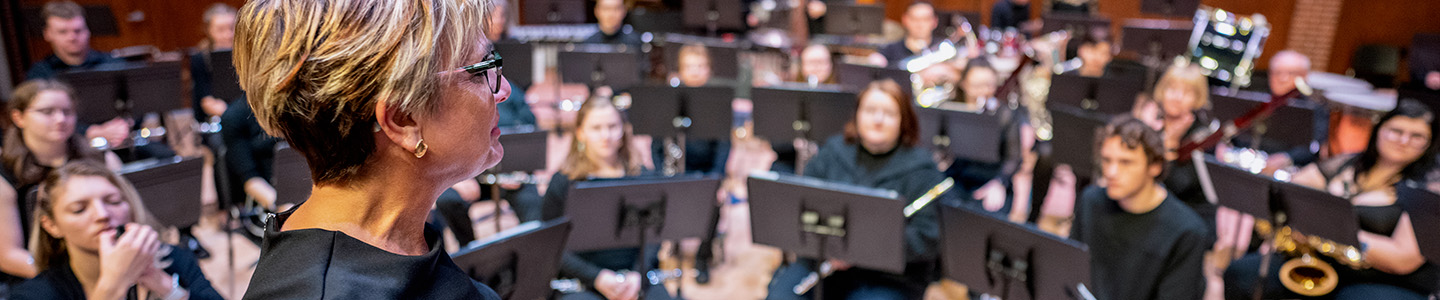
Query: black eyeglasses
(489, 68)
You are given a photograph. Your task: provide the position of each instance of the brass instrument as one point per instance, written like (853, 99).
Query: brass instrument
(1306, 274)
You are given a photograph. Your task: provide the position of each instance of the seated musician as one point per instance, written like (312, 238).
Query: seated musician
(69, 37)
(1181, 97)
(1285, 67)
(1400, 150)
(879, 150)
(601, 148)
(42, 138)
(989, 182)
(83, 253)
(610, 15)
(1144, 243)
(219, 35)
(919, 21)
(816, 65)
(706, 156)
(1095, 53)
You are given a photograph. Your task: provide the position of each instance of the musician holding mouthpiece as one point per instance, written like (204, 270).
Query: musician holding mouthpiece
(1285, 67)
(879, 150)
(983, 181)
(1400, 150)
(919, 21)
(1144, 243)
(97, 242)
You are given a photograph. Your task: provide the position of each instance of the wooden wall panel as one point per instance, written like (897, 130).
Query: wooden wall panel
(1389, 22)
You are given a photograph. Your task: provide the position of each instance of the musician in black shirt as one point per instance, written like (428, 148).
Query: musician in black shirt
(610, 15)
(1144, 243)
(919, 22)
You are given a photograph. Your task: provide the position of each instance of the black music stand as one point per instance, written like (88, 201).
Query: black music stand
(1106, 95)
(713, 16)
(597, 65)
(170, 188)
(856, 77)
(948, 22)
(1076, 132)
(1317, 213)
(539, 12)
(967, 135)
(816, 219)
(682, 113)
(785, 114)
(1075, 24)
(154, 88)
(498, 262)
(992, 256)
(1159, 43)
(1240, 190)
(636, 212)
(98, 94)
(224, 83)
(1424, 209)
(519, 59)
(1295, 121)
(291, 174)
(525, 151)
(1170, 8)
(853, 19)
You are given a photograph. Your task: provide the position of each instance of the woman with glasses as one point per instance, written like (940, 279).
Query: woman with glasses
(1400, 150)
(390, 103)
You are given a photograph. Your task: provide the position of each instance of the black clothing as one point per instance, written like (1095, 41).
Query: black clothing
(52, 65)
(1154, 255)
(896, 52)
(620, 37)
(1006, 14)
(200, 86)
(1183, 180)
(971, 175)
(911, 172)
(249, 151)
(324, 264)
(59, 282)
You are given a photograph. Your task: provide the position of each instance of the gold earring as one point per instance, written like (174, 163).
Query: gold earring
(421, 148)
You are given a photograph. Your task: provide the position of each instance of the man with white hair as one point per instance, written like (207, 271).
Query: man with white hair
(1285, 68)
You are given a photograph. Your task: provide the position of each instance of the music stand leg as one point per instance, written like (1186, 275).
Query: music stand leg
(495, 197)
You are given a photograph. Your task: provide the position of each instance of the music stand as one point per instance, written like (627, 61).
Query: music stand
(154, 88)
(1242, 191)
(1110, 95)
(169, 188)
(1077, 132)
(856, 77)
(224, 83)
(948, 23)
(97, 93)
(694, 112)
(1170, 8)
(597, 65)
(498, 262)
(989, 255)
(816, 219)
(1317, 213)
(1296, 121)
(1158, 42)
(853, 19)
(291, 174)
(539, 12)
(967, 135)
(713, 16)
(525, 150)
(623, 213)
(519, 62)
(785, 114)
(1424, 209)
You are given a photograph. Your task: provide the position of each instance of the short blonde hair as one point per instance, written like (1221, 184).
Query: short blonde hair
(313, 70)
(1188, 75)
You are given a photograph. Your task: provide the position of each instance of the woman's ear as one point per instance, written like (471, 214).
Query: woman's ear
(48, 224)
(398, 128)
(15, 117)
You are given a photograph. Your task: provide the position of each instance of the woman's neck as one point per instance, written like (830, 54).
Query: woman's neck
(878, 149)
(86, 267)
(47, 153)
(609, 168)
(1379, 175)
(386, 210)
